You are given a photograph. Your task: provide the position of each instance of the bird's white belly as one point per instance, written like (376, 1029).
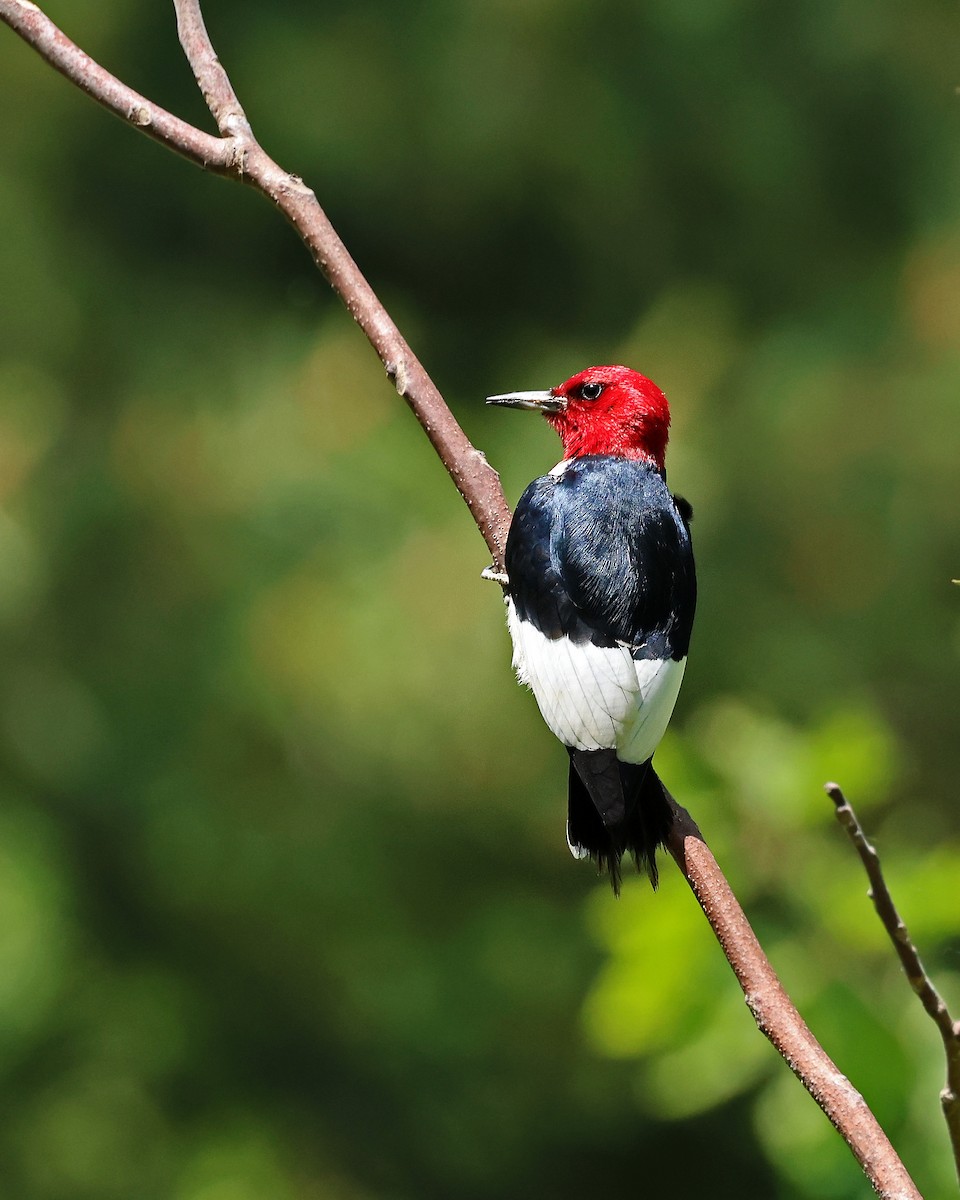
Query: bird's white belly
(594, 698)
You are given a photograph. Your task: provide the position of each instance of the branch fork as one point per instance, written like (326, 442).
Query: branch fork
(237, 153)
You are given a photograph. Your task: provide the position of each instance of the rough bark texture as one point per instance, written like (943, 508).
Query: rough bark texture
(237, 153)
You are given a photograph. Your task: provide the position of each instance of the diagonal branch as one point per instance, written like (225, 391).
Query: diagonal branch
(777, 1016)
(237, 153)
(241, 156)
(212, 153)
(914, 969)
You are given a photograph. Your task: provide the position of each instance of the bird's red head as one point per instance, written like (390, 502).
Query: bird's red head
(603, 410)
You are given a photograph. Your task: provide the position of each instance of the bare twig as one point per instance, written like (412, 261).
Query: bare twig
(777, 1016)
(212, 153)
(240, 155)
(237, 153)
(211, 78)
(914, 969)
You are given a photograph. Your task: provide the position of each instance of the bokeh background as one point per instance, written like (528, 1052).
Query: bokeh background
(285, 906)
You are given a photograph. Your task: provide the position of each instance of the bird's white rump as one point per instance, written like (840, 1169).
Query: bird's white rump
(596, 698)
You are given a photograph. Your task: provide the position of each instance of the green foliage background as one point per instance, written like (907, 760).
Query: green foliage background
(285, 907)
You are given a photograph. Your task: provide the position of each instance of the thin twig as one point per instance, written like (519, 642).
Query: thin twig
(211, 78)
(238, 154)
(212, 153)
(777, 1016)
(914, 969)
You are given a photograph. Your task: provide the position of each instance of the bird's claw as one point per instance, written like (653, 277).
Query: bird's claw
(495, 576)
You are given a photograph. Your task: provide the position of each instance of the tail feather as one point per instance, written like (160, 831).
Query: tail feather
(616, 808)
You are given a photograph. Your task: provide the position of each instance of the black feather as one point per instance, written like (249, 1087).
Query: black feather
(615, 808)
(600, 553)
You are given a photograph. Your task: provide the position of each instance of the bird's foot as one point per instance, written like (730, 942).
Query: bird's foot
(495, 576)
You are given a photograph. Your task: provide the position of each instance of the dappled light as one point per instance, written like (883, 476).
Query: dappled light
(286, 909)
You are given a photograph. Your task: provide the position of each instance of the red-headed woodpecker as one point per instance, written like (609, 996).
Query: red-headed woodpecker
(600, 593)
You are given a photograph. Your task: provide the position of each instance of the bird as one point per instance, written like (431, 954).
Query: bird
(601, 590)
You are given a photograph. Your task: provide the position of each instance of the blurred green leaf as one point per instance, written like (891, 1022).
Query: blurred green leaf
(285, 906)
(656, 987)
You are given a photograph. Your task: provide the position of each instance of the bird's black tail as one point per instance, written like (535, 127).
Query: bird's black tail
(615, 808)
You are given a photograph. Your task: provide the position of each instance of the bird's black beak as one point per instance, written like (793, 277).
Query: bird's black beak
(545, 402)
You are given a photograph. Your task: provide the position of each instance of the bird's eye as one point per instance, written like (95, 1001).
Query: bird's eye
(591, 391)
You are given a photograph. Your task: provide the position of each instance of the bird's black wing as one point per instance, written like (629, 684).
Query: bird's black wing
(600, 552)
(621, 549)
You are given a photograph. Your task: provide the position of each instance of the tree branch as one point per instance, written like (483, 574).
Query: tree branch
(211, 78)
(237, 153)
(214, 154)
(914, 969)
(777, 1016)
